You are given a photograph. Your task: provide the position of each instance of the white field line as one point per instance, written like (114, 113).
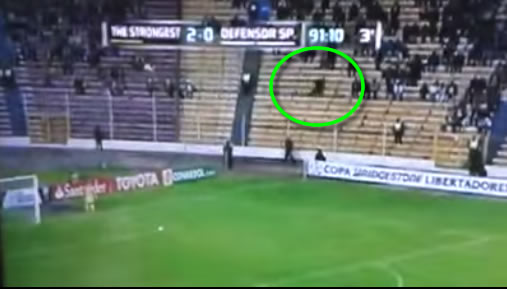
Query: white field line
(386, 261)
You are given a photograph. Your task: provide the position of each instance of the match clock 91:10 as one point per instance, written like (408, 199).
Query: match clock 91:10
(324, 35)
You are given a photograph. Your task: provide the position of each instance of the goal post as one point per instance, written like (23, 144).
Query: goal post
(21, 192)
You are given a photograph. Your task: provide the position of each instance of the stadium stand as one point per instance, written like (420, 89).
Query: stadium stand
(208, 80)
(207, 116)
(5, 124)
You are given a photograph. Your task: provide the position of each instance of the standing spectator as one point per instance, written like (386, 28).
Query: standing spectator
(169, 87)
(150, 86)
(356, 88)
(398, 131)
(324, 5)
(353, 11)
(228, 155)
(338, 15)
(475, 160)
(98, 136)
(399, 90)
(350, 70)
(289, 147)
(423, 92)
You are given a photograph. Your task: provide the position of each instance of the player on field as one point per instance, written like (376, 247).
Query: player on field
(89, 199)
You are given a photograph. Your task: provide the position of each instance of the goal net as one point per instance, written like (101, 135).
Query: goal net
(20, 195)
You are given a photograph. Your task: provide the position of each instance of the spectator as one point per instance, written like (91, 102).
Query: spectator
(423, 92)
(452, 90)
(484, 124)
(289, 147)
(399, 90)
(324, 5)
(246, 83)
(356, 88)
(150, 86)
(79, 86)
(319, 87)
(441, 94)
(319, 156)
(236, 21)
(353, 12)
(433, 62)
(475, 159)
(228, 155)
(350, 70)
(188, 89)
(98, 136)
(253, 11)
(169, 87)
(398, 131)
(434, 90)
(338, 15)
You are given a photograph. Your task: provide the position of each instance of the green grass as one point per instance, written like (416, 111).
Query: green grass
(252, 231)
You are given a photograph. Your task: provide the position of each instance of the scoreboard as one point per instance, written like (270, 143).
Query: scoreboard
(163, 34)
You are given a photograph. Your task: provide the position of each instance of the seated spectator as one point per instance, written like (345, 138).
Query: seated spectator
(319, 87)
(187, 89)
(433, 62)
(452, 90)
(398, 90)
(484, 124)
(320, 156)
(169, 87)
(79, 86)
(137, 62)
(236, 21)
(441, 94)
(434, 87)
(148, 67)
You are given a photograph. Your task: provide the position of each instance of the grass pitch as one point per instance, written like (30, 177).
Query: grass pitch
(253, 231)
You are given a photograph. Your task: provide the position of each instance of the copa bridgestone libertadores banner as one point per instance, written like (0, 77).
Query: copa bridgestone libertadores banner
(407, 178)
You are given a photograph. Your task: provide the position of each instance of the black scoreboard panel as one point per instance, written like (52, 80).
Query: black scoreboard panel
(170, 33)
(160, 34)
